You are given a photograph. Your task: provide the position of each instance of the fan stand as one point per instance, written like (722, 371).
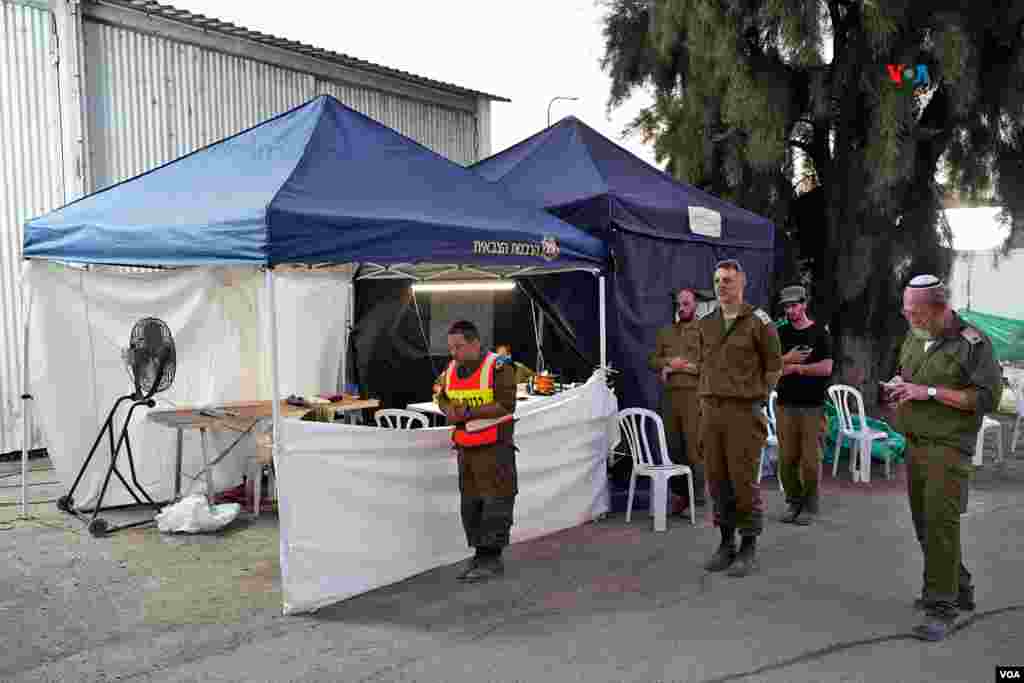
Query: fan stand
(96, 525)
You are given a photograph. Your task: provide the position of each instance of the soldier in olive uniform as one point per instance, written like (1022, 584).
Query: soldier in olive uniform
(676, 358)
(481, 386)
(948, 379)
(741, 361)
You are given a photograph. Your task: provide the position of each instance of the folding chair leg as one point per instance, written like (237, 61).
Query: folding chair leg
(835, 454)
(257, 488)
(865, 461)
(659, 502)
(979, 449)
(629, 499)
(693, 503)
(760, 468)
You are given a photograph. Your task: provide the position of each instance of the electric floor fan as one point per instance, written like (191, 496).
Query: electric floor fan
(151, 362)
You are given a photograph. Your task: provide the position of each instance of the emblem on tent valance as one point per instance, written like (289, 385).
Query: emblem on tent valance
(549, 248)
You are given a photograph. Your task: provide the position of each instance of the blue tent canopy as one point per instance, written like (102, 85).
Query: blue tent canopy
(663, 235)
(321, 183)
(575, 172)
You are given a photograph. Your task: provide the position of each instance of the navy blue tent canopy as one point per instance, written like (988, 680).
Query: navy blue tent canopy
(572, 170)
(320, 183)
(663, 235)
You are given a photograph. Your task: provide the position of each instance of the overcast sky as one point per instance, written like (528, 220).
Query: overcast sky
(527, 50)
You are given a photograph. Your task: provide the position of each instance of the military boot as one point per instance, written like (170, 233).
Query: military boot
(808, 512)
(726, 553)
(746, 559)
(938, 623)
(470, 566)
(964, 600)
(489, 566)
(792, 513)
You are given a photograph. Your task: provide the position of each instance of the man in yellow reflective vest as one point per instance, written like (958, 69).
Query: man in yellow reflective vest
(478, 395)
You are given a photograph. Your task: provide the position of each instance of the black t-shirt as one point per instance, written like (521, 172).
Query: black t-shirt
(801, 389)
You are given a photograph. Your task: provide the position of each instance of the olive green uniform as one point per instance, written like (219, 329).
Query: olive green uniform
(940, 444)
(487, 474)
(680, 409)
(734, 361)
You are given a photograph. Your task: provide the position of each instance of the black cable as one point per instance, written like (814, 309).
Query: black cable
(822, 652)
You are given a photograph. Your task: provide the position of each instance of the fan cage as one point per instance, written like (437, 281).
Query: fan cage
(151, 357)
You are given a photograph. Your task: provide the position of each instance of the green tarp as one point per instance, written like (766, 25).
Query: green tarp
(1007, 334)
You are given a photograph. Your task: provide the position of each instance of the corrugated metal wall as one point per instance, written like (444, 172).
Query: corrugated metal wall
(449, 132)
(152, 99)
(31, 182)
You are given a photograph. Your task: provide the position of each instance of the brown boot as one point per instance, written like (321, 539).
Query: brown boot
(488, 568)
(746, 560)
(726, 553)
(792, 512)
(470, 567)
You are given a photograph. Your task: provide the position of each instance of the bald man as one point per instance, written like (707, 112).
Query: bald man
(948, 379)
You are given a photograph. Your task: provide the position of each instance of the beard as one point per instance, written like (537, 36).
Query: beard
(922, 333)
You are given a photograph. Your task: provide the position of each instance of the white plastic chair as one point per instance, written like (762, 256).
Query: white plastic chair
(1018, 390)
(633, 422)
(989, 424)
(396, 418)
(855, 428)
(772, 442)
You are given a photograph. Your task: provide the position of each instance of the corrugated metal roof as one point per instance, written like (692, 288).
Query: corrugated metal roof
(211, 24)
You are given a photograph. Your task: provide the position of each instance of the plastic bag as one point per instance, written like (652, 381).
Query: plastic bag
(194, 515)
(1008, 401)
(890, 449)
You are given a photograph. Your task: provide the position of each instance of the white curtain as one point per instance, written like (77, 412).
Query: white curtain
(363, 507)
(81, 320)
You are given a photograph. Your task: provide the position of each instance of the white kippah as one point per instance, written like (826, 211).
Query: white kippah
(925, 281)
(926, 289)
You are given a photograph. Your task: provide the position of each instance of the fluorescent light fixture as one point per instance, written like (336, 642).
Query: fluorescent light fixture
(482, 286)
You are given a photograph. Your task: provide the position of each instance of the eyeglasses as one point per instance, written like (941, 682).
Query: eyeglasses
(729, 263)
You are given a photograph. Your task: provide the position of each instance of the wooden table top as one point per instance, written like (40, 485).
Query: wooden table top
(245, 414)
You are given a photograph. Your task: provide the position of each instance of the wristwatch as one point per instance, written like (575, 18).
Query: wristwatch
(932, 392)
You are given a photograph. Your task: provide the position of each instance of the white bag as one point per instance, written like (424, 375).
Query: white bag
(193, 514)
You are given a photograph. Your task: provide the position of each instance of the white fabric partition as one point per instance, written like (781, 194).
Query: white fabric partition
(81, 320)
(363, 507)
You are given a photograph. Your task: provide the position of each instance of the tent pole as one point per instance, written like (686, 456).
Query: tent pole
(274, 383)
(603, 321)
(26, 416)
(26, 407)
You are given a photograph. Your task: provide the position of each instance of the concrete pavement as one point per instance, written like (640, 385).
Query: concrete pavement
(606, 601)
